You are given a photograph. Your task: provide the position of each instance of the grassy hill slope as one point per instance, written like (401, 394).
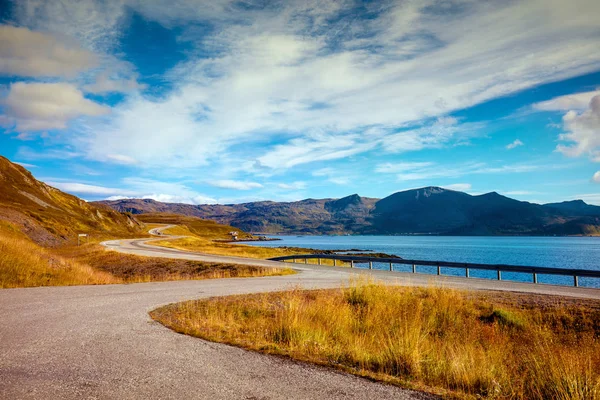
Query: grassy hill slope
(51, 217)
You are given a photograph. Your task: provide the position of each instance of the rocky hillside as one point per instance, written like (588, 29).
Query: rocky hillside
(430, 210)
(51, 217)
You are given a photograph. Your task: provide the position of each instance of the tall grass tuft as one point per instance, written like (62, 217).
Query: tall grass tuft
(435, 339)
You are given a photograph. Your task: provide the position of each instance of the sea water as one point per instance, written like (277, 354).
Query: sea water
(552, 252)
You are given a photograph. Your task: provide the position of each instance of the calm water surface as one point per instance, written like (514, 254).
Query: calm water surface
(554, 252)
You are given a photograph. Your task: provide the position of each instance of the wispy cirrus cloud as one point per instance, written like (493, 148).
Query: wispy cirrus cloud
(94, 190)
(388, 168)
(431, 171)
(235, 185)
(322, 77)
(297, 185)
(170, 192)
(461, 187)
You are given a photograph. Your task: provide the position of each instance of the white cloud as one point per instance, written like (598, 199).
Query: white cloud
(121, 159)
(298, 185)
(461, 187)
(47, 154)
(35, 54)
(26, 165)
(173, 198)
(40, 106)
(520, 193)
(333, 176)
(596, 177)
(170, 192)
(96, 24)
(323, 172)
(339, 180)
(106, 84)
(318, 148)
(590, 198)
(393, 168)
(85, 189)
(515, 143)
(436, 171)
(582, 132)
(235, 185)
(437, 134)
(313, 74)
(576, 101)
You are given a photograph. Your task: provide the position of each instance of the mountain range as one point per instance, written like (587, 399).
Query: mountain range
(428, 210)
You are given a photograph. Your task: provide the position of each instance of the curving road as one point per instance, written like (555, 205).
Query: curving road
(97, 342)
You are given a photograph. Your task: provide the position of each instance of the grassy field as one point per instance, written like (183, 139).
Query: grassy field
(458, 344)
(192, 226)
(130, 268)
(228, 249)
(26, 264)
(206, 236)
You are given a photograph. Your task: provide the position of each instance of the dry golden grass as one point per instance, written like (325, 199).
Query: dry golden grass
(226, 249)
(457, 344)
(207, 236)
(132, 268)
(192, 226)
(25, 264)
(208, 246)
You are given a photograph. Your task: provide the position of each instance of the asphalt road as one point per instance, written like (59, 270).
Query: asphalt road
(98, 342)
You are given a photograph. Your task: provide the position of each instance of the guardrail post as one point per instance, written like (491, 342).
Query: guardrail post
(319, 261)
(467, 272)
(306, 261)
(575, 281)
(370, 264)
(439, 270)
(414, 269)
(391, 266)
(351, 263)
(535, 277)
(334, 262)
(294, 260)
(499, 275)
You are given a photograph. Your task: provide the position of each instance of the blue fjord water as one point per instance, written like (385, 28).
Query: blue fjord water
(553, 252)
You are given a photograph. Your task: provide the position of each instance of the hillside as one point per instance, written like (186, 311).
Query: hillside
(429, 210)
(51, 217)
(194, 226)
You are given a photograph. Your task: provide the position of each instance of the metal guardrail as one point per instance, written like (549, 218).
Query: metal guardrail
(499, 268)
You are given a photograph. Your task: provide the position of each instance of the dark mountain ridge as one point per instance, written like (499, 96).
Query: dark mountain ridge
(428, 210)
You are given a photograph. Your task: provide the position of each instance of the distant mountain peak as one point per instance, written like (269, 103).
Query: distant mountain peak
(344, 203)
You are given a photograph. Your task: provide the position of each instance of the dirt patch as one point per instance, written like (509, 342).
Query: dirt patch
(30, 227)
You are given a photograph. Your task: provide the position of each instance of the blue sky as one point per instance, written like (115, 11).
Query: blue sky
(234, 101)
